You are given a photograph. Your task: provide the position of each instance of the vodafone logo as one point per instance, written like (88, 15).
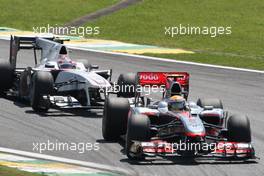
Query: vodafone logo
(149, 77)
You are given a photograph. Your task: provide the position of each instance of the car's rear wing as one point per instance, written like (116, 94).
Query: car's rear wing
(164, 79)
(26, 42)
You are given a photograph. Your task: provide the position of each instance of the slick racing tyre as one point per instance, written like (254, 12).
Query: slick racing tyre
(127, 84)
(239, 128)
(216, 103)
(6, 76)
(138, 130)
(114, 122)
(42, 84)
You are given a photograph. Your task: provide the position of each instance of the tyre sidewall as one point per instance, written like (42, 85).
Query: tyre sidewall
(41, 84)
(239, 128)
(114, 120)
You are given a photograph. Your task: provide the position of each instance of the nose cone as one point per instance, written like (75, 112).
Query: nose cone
(193, 126)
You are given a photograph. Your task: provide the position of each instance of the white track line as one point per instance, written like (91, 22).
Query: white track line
(68, 161)
(164, 60)
(169, 60)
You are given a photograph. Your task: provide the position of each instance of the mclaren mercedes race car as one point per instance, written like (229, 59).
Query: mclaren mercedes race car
(172, 126)
(55, 79)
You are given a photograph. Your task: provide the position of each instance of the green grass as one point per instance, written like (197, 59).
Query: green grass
(6, 171)
(233, 61)
(26, 14)
(144, 23)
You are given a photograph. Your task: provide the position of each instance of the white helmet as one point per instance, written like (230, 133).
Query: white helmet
(64, 62)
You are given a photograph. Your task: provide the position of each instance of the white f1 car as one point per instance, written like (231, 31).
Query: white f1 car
(55, 79)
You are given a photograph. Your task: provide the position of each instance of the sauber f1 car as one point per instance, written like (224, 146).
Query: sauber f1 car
(55, 79)
(172, 126)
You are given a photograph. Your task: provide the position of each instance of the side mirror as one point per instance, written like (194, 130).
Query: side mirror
(208, 107)
(163, 110)
(94, 67)
(49, 65)
(163, 107)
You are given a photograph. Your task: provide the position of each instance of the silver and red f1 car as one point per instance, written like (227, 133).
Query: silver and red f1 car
(55, 79)
(155, 128)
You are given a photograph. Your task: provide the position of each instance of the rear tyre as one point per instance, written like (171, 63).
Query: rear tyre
(239, 128)
(216, 103)
(6, 76)
(42, 84)
(114, 122)
(138, 130)
(127, 85)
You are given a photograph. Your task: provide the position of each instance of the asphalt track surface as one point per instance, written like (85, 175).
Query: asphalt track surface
(240, 91)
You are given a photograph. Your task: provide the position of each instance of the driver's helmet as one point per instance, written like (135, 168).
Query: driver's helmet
(176, 103)
(64, 62)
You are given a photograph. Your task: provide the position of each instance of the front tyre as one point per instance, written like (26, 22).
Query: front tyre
(114, 123)
(239, 128)
(42, 84)
(138, 130)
